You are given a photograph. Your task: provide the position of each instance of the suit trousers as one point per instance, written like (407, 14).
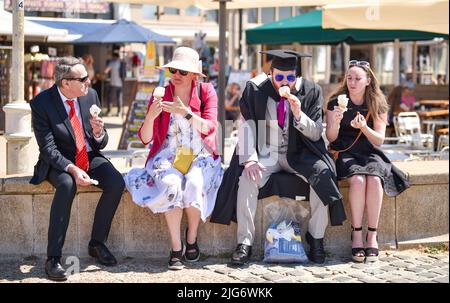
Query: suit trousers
(247, 199)
(112, 184)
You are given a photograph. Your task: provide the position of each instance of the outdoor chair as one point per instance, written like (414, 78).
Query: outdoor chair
(408, 130)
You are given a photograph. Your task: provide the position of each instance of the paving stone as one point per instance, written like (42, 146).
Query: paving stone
(415, 269)
(253, 280)
(425, 259)
(388, 268)
(342, 279)
(440, 271)
(373, 271)
(401, 264)
(259, 271)
(427, 267)
(323, 275)
(240, 275)
(360, 266)
(400, 280)
(273, 277)
(285, 281)
(224, 270)
(403, 257)
(438, 257)
(358, 275)
(442, 280)
(371, 280)
(388, 259)
(298, 272)
(428, 275)
(280, 269)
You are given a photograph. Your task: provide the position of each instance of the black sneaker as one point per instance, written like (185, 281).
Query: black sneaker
(241, 255)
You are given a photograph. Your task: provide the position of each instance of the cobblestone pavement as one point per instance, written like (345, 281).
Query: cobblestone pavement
(392, 267)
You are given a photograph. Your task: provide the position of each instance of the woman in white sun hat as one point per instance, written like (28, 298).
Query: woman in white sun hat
(186, 116)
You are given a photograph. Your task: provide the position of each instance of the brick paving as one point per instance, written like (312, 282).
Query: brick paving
(411, 266)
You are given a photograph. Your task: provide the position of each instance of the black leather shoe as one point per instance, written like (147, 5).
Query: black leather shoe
(54, 270)
(102, 254)
(241, 255)
(316, 250)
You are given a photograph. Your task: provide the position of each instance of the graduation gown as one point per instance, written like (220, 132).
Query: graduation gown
(308, 158)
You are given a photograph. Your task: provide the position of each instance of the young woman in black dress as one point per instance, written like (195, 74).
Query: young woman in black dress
(364, 165)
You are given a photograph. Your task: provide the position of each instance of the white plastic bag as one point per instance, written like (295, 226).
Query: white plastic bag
(283, 240)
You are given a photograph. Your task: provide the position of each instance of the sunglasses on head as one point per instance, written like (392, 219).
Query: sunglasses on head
(290, 78)
(358, 63)
(82, 80)
(174, 71)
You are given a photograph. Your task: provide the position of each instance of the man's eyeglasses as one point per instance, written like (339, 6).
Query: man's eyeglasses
(359, 63)
(290, 78)
(82, 80)
(174, 71)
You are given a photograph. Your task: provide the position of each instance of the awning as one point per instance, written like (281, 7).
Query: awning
(423, 15)
(31, 29)
(75, 28)
(307, 29)
(123, 31)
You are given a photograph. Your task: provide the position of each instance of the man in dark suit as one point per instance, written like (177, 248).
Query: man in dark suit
(70, 140)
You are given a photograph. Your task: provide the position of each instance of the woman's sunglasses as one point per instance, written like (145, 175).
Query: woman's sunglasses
(174, 71)
(290, 78)
(359, 63)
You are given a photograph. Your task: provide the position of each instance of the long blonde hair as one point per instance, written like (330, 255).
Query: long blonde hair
(376, 101)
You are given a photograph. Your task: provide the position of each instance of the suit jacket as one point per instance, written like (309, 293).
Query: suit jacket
(306, 156)
(54, 133)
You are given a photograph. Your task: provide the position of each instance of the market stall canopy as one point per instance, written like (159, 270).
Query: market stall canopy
(423, 15)
(31, 29)
(123, 31)
(307, 29)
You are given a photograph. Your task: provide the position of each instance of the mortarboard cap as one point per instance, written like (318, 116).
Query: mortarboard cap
(284, 59)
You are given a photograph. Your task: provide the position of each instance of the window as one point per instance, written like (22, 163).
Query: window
(212, 15)
(192, 11)
(284, 12)
(268, 14)
(149, 12)
(252, 15)
(171, 11)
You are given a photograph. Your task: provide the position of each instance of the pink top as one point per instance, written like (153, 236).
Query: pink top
(161, 124)
(408, 101)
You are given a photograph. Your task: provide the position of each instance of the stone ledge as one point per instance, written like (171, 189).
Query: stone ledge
(420, 173)
(431, 241)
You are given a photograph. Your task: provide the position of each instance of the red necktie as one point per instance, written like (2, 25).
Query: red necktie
(81, 156)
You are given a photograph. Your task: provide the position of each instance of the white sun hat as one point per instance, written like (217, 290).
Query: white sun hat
(187, 59)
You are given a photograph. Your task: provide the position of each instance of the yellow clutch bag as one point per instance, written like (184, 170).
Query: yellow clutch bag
(183, 159)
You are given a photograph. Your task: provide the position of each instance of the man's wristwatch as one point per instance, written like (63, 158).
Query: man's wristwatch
(188, 116)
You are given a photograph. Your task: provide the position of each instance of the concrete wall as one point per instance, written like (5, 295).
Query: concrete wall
(420, 212)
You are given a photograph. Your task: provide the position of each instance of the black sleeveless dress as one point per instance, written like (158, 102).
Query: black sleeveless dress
(364, 158)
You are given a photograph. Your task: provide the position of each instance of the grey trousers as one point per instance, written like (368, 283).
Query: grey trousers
(247, 199)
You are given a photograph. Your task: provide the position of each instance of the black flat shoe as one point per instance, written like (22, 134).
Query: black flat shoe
(102, 254)
(175, 258)
(241, 255)
(316, 250)
(54, 270)
(358, 253)
(192, 253)
(371, 252)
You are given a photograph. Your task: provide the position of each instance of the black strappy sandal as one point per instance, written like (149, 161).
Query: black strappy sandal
(371, 252)
(192, 250)
(358, 253)
(176, 257)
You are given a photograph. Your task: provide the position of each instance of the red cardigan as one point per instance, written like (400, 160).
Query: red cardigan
(161, 124)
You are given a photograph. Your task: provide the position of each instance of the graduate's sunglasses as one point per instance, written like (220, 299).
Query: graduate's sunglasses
(82, 80)
(290, 78)
(174, 71)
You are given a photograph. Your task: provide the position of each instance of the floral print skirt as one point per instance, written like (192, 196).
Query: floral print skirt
(161, 187)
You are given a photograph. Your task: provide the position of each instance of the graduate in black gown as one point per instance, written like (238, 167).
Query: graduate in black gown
(360, 160)
(289, 141)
